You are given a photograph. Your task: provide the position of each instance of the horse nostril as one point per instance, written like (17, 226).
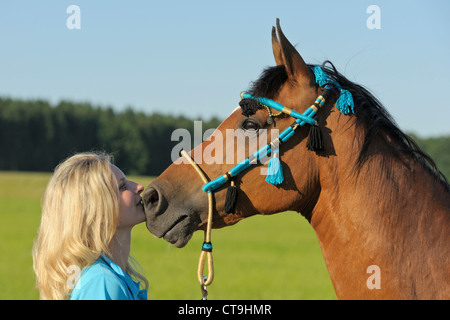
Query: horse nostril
(154, 197)
(155, 203)
(151, 197)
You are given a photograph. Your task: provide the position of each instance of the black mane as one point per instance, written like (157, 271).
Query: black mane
(368, 110)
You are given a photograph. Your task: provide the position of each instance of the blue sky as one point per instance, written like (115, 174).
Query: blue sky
(195, 57)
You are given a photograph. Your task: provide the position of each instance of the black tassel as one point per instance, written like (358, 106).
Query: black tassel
(249, 106)
(314, 139)
(231, 199)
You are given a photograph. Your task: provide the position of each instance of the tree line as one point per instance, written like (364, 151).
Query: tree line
(36, 136)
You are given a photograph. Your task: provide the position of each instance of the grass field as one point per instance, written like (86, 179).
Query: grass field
(271, 257)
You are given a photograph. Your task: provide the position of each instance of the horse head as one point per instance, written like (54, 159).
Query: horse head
(175, 203)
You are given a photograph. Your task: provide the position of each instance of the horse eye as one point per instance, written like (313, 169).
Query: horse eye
(250, 126)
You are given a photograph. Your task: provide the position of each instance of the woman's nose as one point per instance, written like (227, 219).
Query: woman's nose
(139, 188)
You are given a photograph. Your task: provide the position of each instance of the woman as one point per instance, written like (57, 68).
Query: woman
(83, 246)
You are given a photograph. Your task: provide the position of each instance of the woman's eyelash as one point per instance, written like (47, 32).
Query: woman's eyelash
(123, 186)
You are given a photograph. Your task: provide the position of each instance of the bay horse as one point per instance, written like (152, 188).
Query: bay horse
(377, 202)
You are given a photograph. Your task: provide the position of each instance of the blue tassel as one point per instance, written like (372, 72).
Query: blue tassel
(275, 171)
(321, 78)
(345, 102)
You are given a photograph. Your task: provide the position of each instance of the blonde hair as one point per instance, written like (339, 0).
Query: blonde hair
(80, 209)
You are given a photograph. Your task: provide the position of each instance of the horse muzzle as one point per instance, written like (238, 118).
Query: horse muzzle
(168, 220)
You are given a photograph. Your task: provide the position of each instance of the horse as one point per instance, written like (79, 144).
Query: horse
(378, 204)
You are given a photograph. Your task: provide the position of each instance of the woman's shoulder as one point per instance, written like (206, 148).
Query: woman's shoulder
(99, 282)
(100, 268)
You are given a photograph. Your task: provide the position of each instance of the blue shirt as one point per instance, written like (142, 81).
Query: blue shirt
(105, 280)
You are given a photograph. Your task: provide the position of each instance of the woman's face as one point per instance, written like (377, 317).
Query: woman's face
(131, 210)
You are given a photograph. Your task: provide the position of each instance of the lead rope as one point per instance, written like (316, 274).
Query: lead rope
(206, 254)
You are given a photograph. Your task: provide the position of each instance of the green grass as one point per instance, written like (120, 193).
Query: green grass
(262, 257)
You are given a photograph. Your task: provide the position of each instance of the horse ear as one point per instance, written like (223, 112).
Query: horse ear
(294, 63)
(276, 48)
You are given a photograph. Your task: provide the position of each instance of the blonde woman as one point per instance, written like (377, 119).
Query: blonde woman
(83, 246)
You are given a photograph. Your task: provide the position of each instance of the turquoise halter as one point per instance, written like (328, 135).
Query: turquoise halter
(301, 119)
(275, 174)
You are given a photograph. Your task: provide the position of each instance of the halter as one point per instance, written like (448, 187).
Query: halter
(272, 147)
(249, 106)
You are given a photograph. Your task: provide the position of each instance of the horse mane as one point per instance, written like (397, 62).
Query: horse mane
(369, 111)
(269, 83)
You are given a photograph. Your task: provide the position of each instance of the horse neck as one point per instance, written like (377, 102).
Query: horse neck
(391, 214)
